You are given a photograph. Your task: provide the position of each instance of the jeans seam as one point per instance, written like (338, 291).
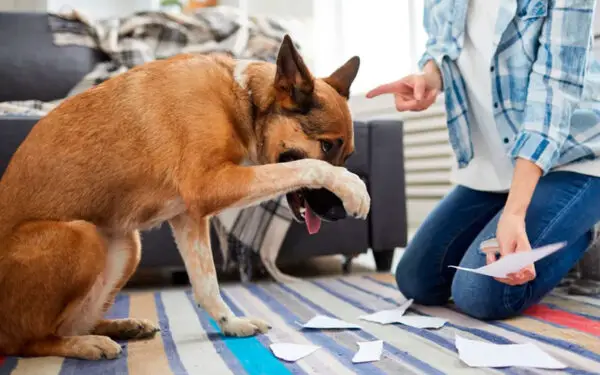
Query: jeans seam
(449, 244)
(550, 225)
(547, 228)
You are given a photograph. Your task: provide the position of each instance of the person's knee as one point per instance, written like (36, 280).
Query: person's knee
(480, 297)
(414, 283)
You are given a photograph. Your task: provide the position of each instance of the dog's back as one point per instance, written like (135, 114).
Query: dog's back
(111, 154)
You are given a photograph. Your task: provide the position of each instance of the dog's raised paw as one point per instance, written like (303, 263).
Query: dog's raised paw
(243, 327)
(353, 192)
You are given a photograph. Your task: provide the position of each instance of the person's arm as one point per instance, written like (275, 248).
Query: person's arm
(525, 179)
(556, 82)
(439, 43)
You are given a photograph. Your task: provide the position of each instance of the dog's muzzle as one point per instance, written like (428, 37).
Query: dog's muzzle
(312, 206)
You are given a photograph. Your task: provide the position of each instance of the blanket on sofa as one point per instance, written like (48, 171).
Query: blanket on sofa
(146, 36)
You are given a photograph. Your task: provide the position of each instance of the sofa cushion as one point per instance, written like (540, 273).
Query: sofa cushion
(359, 161)
(31, 66)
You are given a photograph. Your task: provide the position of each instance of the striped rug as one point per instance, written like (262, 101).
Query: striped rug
(566, 327)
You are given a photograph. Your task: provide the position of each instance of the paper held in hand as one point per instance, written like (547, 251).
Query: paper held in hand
(514, 262)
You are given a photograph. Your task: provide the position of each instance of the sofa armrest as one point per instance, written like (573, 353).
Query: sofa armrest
(388, 217)
(13, 130)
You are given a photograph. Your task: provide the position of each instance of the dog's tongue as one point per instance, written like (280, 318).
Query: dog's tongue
(313, 223)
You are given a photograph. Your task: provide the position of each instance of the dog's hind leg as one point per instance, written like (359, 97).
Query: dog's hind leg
(53, 273)
(127, 250)
(193, 241)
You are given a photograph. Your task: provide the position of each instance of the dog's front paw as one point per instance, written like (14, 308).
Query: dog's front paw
(95, 348)
(353, 193)
(243, 327)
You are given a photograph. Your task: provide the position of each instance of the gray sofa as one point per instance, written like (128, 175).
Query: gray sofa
(31, 67)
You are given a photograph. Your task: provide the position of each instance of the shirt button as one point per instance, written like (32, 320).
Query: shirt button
(496, 105)
(492, 68)
(506, 140)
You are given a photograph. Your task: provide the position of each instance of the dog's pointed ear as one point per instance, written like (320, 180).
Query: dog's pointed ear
(342, 78)
(294, 83)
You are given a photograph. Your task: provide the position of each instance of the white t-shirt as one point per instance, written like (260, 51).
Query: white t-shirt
(491, 168)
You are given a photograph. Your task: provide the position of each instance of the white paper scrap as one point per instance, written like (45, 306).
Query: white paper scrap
(388, 316)
(483, 354)
(325, 322)
(423, 322)
(368, 351)
(514, 262)
(292, 352)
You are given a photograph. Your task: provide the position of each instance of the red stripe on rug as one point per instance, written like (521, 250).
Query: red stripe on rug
(565, 319)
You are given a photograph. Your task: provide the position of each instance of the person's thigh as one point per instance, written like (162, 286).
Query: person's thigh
(565, 207)
(442, 240)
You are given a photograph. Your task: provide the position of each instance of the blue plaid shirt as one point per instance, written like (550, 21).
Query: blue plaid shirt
(545, 81)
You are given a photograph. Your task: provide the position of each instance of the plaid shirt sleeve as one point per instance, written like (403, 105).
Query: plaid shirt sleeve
(556, 81)
(440, 41)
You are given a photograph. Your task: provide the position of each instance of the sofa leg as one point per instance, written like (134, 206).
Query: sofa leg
(383, 259)
(347, 264)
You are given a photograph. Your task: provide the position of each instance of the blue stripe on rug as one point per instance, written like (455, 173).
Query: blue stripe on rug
(71, 366)
(404, 356)
(220, 347)
(252, 355)
(173, 358)
(583, 302)
(317, 337)
(294, 368)
(568, 346)
(8, 365)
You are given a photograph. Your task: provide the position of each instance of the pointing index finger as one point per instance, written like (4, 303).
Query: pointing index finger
(388, 88)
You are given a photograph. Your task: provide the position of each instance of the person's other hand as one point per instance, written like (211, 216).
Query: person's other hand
(415, 92)
(511, 238)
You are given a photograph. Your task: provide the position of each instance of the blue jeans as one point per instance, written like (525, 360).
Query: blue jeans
(565, 207)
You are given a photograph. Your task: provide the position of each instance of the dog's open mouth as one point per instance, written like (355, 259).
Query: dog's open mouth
(302, 211)
(324, 205)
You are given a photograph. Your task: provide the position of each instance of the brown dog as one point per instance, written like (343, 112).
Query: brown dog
(176, 140)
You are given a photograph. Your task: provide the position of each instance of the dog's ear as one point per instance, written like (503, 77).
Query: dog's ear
(342, 79)
(293, 82)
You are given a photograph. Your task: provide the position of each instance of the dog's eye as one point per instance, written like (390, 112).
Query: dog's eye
(326, 146)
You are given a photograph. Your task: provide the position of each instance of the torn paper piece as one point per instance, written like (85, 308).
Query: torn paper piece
(325, 322)
(423, 322)
(368, 351)
(388, 316)
(514, 262)
(292, 352)
(483, 354)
